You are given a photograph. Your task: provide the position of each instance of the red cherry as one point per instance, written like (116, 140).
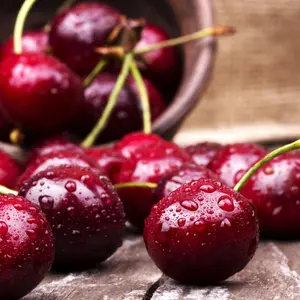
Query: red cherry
(176, 178)
(32, 42)
(78, 31)
(109, 161)
(38, 93)
(161, 65)
(203, 153)
(126, 116)
(85, 213)
(50, 146)
(148, 164)
(156, 99)
(9, 170)
(130, 143)
(56, 159)
(26, 247)
(275, 191)
(232, 161)
(202, 233)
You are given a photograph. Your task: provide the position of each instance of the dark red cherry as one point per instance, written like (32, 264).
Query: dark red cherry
(275, 191)
(232, 161)
(203, 153)
(148, 164)
(26, 247)
(184, 174)
(109, 161)
(9, 170)
(38, 93)
(64, 157)
(126, 116)
(51, 145)
(202, 233)
(156, 99)
(32, 42)
(161, 65)
(85, 213)
(130, 143)
(78, 31)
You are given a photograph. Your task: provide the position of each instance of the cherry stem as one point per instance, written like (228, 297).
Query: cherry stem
(95, 72)
(212, 31)
(284, 149)
(66, 5)
(19, 26)
(149, 185)
(101, 124)
(4, 190)
(144, 96)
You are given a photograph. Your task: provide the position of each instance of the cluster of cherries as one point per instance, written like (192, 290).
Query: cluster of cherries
(67, 206)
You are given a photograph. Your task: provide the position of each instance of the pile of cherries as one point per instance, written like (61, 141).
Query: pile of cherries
(66, 207)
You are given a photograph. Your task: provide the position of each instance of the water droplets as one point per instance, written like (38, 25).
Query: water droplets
(189, 205)
(181, 222)
(18, 206)
(3, 228)
(207, 188)
(31, 234)
(225, 223)
(225, 203)
(276, 210)
(268, 170)
(46, 202)
(71, 186)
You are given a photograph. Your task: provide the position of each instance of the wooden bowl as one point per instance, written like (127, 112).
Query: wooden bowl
(177, 17)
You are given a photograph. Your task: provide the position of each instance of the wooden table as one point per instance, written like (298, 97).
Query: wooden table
(274, 273)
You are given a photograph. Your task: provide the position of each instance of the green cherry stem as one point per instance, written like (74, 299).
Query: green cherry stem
(149, 185)
(144, 96)
(95, 72)
(212, 31)
(284, 149)
(91, 138)
(19, 26)
(4, 190)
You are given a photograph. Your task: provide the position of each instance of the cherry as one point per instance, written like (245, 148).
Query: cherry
(156, 99)
(126, 116)
(56, 159)
(161, 65)
(109, 161)
(176, 178)
(275, 191)
(38, 93)
(202, 233)
(85, 213)
(26, 247)
(146, 165)
(51, 145)
(232, 161)
(78, 31)
(32, 42)
(203, 153)
(9, 170)
(130, 143)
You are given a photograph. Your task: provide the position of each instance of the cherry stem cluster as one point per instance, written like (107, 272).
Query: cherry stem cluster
(279, 151)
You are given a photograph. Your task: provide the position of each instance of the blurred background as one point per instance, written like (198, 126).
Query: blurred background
(254, 93)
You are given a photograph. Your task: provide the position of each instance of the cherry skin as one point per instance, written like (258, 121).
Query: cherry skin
(203, 153)
(32, 42)
(85, 213)
(232, 161)
(161, 65)
(176, 178)
(130, 143)
(56, 159)
(156, 99)
(126, 116)
(275, 191)
(202, 233)
(27, 247)
(9, 170)
(149, 164)
(38, 93)
(108, 160)
(78, 31)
